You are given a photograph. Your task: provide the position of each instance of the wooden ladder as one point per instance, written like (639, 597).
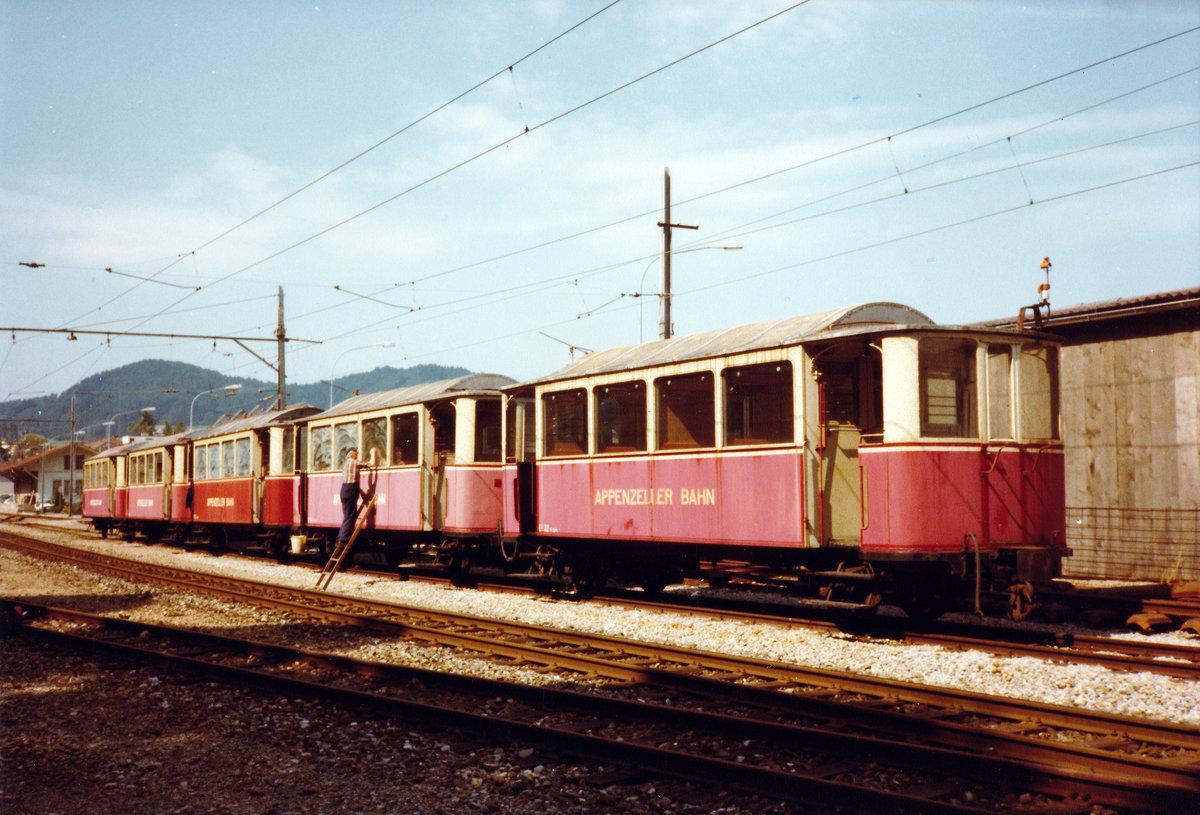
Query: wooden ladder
(342, 549)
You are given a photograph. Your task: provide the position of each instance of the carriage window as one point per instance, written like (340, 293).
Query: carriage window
(520, 411)
(621, 418)
(405, 449)
(322, 448)
(565, 417)
(289, 450)
(214, 461)
(243, 456)
(758, 404)
(686, 416)
(201, 469)
(947, 387)
(227, 460)
(374, 435)
(487, 430)
(443, 417)
(999, 391)
(1039, 392)
(302, 449)
(158, 468)
(345, 436)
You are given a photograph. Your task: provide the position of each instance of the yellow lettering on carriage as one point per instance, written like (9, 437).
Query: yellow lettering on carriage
(222, 502)
(656, 496)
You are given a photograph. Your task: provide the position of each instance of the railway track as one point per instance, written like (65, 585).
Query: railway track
(1150, 656)
(753, 749)
(1092, 750)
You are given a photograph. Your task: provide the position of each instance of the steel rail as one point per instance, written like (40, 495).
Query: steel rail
(788, 784)
(766, 678)
(1166, 659)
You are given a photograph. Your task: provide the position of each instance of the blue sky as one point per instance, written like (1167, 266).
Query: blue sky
(135, 136)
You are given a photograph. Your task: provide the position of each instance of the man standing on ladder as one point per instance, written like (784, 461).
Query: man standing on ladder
(351, 492)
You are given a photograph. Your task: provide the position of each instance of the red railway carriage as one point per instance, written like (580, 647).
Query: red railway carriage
(105, 489)
(242, 477)
(154, 477)
(860, 450)
(438, 475)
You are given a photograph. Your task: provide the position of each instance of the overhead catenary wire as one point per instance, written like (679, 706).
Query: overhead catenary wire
(974, 107)
(527, 330)
(476, 156)
(508, 292)
(728, 188)
(835, 154)
(509, 140)
(854, 148)
(507, 69)
(362, 153)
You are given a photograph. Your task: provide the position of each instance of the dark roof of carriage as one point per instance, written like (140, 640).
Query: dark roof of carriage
(789, 331)
(469, 385)
(251, 421)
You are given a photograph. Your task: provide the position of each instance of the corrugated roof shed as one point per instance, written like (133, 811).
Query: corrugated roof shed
(1122, 307)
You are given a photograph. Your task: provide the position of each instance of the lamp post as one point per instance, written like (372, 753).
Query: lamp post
(388, 344)
(113, 420)
(665, 294)
(230, 390)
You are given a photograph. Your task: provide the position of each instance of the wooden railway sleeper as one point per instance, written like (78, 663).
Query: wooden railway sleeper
(790, 784)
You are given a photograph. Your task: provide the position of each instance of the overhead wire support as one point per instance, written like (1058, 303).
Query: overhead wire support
(110, 270)
(72, 332)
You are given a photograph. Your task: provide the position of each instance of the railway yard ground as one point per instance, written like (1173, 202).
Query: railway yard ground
(83, 732)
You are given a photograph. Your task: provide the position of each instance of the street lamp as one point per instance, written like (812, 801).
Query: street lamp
(230, 390)
(113, 420)
(665, 294)
(388, 344)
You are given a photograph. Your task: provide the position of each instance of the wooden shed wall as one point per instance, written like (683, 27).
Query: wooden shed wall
(1131, 429)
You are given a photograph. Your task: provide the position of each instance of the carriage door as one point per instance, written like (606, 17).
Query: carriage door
(520, 434)
(849, 379)
(443, 418)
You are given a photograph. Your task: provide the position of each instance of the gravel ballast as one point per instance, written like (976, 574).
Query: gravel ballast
(79, 734)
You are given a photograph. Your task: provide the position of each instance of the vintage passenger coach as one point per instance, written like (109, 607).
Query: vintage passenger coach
(851, 455)
(862, 451)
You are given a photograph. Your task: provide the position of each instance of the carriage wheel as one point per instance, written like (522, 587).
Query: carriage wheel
(1020, 601)
(218, 540)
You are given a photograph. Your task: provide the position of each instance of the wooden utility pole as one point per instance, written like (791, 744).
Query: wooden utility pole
(667, 226)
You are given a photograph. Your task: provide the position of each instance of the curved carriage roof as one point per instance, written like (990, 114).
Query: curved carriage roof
(864, 318)
(117, 450)
(469, 385)
(252, 421)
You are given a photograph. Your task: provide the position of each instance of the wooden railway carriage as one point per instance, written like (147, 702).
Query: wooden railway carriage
(105, 490)
(439, 465)
(860, 451)
(155, 472)
(242, 478)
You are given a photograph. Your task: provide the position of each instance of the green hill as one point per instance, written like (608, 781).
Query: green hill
(171, 388)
